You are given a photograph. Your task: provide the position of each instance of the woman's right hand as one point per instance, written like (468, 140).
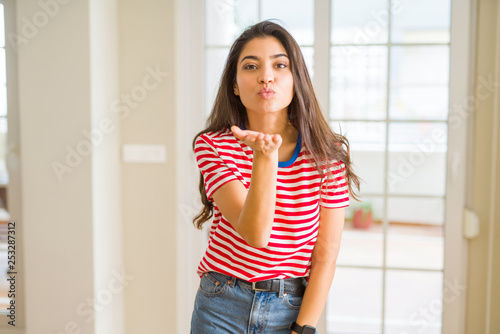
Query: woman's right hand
(258, 141)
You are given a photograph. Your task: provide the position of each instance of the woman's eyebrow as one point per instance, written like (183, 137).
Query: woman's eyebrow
(257, 58)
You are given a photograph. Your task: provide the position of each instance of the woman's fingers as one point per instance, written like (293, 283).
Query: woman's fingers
(277, 139)
(257, 140)
(238, 133)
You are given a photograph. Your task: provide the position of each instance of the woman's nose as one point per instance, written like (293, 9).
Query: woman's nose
(266, 76)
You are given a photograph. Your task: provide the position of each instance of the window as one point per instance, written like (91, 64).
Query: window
(389, 93)
(226, 20)
(389, 69)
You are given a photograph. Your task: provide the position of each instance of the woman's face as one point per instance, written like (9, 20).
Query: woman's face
(263, 64)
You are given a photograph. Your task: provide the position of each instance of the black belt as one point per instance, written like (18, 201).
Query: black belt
(294, 286)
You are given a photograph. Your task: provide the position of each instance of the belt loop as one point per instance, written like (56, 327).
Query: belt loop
(232, 282)
(282, 288)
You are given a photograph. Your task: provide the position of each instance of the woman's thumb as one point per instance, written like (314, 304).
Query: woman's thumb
(236, 131)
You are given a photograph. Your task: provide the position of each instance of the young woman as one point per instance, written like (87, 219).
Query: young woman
(276, 180)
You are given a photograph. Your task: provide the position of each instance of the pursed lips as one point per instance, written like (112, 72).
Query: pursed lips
(266, 93)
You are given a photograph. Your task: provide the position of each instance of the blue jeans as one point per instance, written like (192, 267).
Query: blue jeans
(225, 305)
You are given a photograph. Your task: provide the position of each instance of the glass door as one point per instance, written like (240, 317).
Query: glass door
(389, 94)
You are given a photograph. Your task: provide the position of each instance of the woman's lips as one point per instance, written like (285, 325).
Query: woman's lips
(266, 93)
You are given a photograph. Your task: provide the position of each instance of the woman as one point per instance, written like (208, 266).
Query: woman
(276, 180)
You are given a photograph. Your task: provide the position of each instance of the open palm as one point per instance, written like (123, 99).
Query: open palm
(258, 141)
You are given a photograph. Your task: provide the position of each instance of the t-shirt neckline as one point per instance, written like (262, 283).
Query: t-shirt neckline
(296, 152)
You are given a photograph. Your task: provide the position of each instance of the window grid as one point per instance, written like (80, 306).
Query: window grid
(209, 47)
(387, 121)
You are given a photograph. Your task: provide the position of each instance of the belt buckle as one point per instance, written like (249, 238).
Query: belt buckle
(254, 288)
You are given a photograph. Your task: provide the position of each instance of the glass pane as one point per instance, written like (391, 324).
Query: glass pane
(415, 233)
(423, 21)
(215, 60)
(359, 21)
(3, 66)
(414, 302)
(297, 17)
(3, 100)
(308, 53)
(419, 82)
(355, 302)
(2, 26)
(417, 158)
(362, 237)
(359, 82)
(226, 19)
(419, 210)
(367, 144)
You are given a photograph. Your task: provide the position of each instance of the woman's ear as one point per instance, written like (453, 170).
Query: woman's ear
(235, 88)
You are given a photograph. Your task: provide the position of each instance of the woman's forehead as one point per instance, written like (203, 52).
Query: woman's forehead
(262, 47)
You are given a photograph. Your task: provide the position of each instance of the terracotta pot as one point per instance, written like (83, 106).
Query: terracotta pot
(361, 219)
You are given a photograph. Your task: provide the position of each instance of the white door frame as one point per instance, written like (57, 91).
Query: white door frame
(462, 63)
(189, 85)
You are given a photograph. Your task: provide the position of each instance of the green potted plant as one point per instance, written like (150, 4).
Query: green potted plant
(363, 217)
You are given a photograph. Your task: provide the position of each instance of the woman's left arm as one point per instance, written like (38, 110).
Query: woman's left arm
(323, 263)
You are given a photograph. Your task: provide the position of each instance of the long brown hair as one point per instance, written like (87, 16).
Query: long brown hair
(304, 111)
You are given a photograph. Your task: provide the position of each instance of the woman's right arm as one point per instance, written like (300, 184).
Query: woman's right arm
(251, 213)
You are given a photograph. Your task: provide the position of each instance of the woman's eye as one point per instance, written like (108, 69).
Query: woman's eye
(251, 66)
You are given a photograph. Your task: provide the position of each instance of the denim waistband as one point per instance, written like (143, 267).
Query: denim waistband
(292, 285)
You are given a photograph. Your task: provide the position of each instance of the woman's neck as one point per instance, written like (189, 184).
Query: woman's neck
(275, 123)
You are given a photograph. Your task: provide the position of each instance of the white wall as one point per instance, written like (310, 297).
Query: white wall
(105, 231)
(71, 220)
(146, 39)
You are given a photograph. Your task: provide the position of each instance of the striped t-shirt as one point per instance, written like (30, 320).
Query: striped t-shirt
(221, 157)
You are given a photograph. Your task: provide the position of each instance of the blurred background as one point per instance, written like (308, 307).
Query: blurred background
(100, 102)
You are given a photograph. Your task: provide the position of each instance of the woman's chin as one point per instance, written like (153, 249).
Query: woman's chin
(265, 107)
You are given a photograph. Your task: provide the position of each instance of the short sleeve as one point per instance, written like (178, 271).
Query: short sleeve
(335, 191)
(214, 170)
